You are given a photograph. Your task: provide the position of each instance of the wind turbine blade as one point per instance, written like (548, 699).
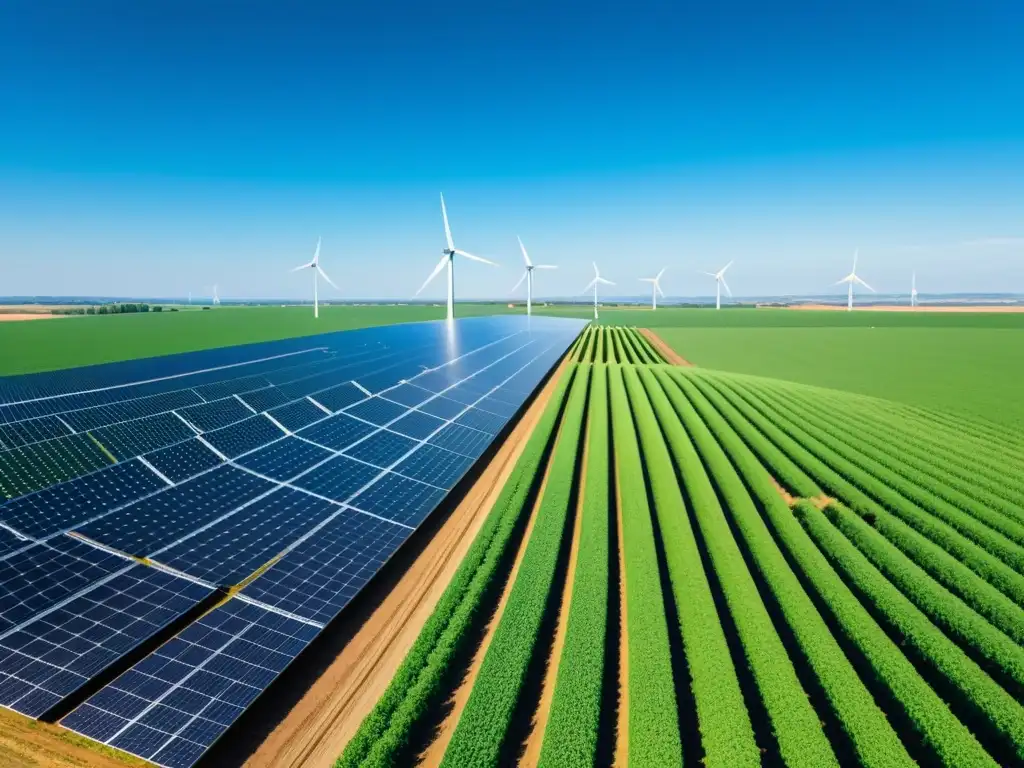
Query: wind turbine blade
(589, 285)
(857, 279)
(522, 247)
(435, 273)
(725, 285)
(856, 253)
(304, 266)
(325, 277)
(647, 279)
(316, 253)
(521, 279)
(474, 258)
(660, 274)
(597, 272)
(658, 286)
(447, 229)
(722, 270)
(603, 281)
(844, 280)
(710, 274)
(544, 266)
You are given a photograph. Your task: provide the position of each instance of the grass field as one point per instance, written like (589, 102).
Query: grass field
(972, 370)
(689, 567)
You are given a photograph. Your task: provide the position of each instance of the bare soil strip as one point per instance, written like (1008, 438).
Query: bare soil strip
(15, 317)
(25, 742)
(664, 349)
(622, 728)
(535, 740)
(317, 729)
(434, 753)
(820, 502)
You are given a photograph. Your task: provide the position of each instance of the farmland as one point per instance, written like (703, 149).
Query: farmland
(690, 566)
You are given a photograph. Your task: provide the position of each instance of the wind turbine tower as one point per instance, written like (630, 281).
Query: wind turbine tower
(216, 298)
(850, 279)
(318, 272)
(719, 282)
(528, 277)
(449, 259)
(655, 288)
(598, 280)
(913, 289)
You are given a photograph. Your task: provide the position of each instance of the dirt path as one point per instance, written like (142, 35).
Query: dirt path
(664, 349)
(16, 317)
(317, 729)
(434, 753)
(622, 726)
(25, 742)
(535, 741)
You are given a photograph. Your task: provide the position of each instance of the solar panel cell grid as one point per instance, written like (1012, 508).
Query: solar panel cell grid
(337, 432)
(216, 414)
(45, 574)
(442, 407)
(318, 578)
(417, 425)
(338, 397)
(40, 465)
(482, 420)
(297, 415)
(376, 411)
(93, 418)
(263, 399)
(338, 479)
(134, 438)
(255, 432)
(63, 506)
(435, 466)
(11, 542)
(498, 407)
(397, 498)
(204, 678)
(32, 431)
(183, 460)
(234, 385)
(382, 449)
(285, 459)
(234, 548)
(161, 519)
(408, 395)
(468, 442)
(54, 655)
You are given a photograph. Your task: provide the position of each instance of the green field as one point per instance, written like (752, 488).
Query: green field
(47, 345)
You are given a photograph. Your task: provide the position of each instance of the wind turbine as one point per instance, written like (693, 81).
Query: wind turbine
(318, 272)
(851, 279)
(598, 280)
(719, 282)
(913, 289)
(528, 277)
(449, 259)
(216, 298)
(655, 288)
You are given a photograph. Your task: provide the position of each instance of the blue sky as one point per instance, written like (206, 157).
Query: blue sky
(155, 148)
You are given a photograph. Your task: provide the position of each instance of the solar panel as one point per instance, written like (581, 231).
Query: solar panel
(174, 704)
(54, 655)
(304, 520)
(44, 574)
(183, 460)
(338, 432)
(164, 517)
(285, 459)
(317, 578)
(63, 506)
(234, 548)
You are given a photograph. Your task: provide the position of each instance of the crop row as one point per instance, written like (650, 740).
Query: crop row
(485, 722)
(419, 683)
(614, 344)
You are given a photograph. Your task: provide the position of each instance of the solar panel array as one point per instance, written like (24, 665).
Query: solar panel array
(235, 500)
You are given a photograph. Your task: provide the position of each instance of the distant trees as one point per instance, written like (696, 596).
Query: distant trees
(106, 309)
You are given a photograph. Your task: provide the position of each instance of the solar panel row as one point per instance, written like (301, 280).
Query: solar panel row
(303, 496)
